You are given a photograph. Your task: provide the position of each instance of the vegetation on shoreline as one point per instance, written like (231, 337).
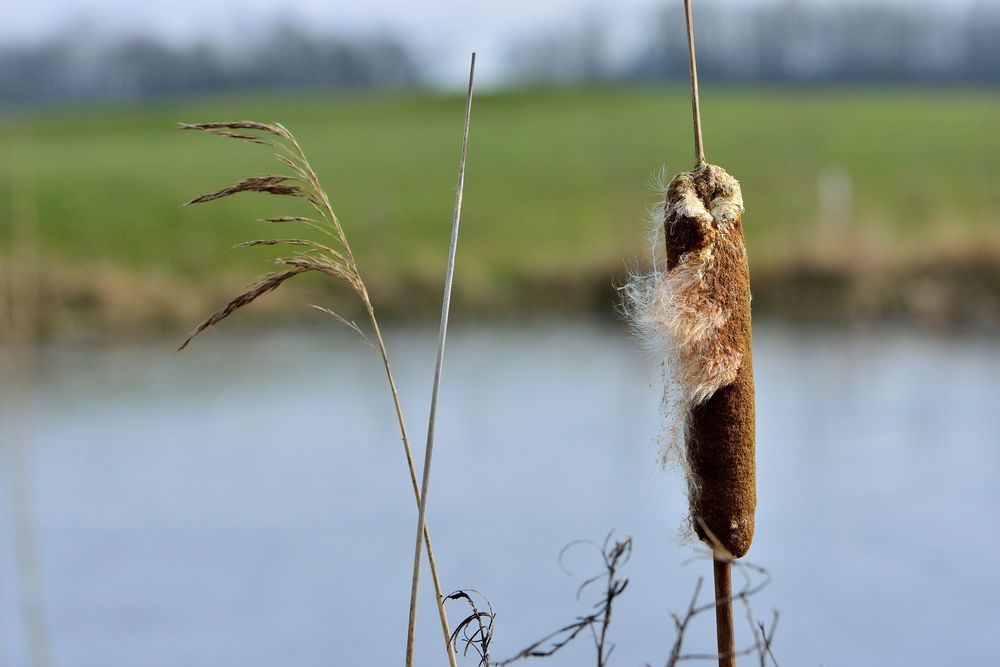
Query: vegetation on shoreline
(557, 205)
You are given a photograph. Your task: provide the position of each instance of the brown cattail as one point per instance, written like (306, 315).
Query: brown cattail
(696, 314)
(707, 285)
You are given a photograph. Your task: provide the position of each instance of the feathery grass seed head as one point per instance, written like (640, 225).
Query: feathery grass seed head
(335, 260)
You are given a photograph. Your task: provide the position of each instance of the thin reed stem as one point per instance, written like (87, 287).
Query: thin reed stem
(442, 336)
(723, 571)
(699, 147)
(438, 593)
(23, 316)
(411, 467)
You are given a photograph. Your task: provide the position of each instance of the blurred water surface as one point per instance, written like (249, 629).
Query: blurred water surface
(247, 503)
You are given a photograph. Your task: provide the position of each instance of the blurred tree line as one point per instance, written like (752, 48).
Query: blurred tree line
(73, 68)
(781, 41)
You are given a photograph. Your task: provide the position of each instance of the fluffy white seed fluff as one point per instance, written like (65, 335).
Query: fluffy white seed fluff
(677, 317)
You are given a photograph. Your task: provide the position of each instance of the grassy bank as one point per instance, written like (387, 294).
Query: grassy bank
(556, 194)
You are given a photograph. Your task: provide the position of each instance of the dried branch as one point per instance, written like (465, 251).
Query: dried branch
(476, 630)
(479, 636)
(614, 557)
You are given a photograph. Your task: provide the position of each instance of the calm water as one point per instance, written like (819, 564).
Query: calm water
(246, 503)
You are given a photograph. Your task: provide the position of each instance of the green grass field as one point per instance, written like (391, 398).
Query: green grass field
(557, 187)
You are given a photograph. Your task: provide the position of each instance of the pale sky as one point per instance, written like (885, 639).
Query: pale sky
(444, 31)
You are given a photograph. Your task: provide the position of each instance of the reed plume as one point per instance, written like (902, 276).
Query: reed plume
(333, 258)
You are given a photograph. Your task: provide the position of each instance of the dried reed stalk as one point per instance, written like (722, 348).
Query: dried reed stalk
(442, 336)
(21, 323)
(334, 259)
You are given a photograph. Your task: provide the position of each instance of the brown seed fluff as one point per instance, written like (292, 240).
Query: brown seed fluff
(704, 239)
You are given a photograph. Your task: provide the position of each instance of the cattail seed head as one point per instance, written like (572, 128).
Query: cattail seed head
(711, 302)
(697, 311)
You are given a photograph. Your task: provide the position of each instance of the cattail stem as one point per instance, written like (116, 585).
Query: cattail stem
(442, 335)
(724, 611)
(699, 148)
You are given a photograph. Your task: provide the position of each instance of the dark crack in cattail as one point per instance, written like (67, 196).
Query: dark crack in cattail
(698, 310)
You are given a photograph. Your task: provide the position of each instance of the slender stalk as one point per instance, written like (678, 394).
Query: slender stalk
(723, 570)
(442, 335)
(24, 300)
(408, 450)
(439, 595)
(699, 148)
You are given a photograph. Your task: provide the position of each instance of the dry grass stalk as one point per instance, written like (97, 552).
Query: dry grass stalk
(442, 336)
(20, 319)
(335, 260)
